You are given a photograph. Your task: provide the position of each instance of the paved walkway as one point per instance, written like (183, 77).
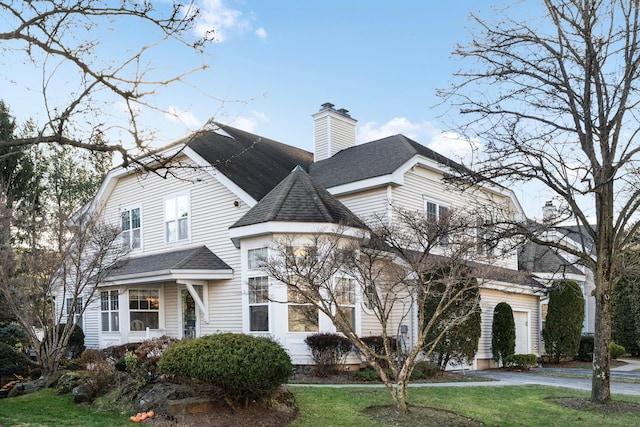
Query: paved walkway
(537, 376)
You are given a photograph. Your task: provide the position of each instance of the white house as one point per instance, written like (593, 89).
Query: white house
(195, 237)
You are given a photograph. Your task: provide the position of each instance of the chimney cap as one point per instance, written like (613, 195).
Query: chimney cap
(327, 106)
(344, 112)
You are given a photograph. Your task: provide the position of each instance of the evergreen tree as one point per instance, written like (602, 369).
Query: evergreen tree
(563, 325)
(625, 314)
(459, 343)
(503, 336)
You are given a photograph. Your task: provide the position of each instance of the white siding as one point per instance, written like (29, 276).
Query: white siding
(367, 204)
(489, 298)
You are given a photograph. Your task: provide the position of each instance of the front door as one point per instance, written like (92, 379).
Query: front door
(521, 319)
(189, 315)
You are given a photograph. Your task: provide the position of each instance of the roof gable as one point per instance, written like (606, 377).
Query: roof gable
(298, 198)
(254, 163)
(373, 159)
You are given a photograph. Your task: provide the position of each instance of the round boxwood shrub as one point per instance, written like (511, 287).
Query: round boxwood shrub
(503, 333)
(241, 366)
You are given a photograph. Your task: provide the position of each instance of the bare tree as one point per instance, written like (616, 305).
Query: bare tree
(51, 290)
(389, 268)
(63, 39)
(555, 100)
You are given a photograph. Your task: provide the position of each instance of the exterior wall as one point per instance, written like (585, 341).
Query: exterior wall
(520, 303)
(368, 205)
(212, 211)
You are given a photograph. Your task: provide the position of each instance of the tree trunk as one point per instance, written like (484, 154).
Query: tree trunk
(601, 379)
(401, 396)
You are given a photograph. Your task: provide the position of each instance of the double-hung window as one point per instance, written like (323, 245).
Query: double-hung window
(303, 316)
(257, 258)
(74, 311)
(109, 308)
(345, 296)
(130, 222)
(176, 218)
(144, 309)
(259, 304)
(438, 214)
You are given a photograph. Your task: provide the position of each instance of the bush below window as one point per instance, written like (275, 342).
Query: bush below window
(329, 352)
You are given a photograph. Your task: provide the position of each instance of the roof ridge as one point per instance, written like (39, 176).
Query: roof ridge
(313, 189)
(194, 251)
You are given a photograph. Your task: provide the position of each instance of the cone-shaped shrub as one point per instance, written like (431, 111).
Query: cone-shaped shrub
(503, 334)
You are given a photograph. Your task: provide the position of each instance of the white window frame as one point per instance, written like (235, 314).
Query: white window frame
(258, 290)
(152, 306)
(127, 235)
(345, 296)
(176, 218)
(77, 317)
(297, 301)
(110, 307)
(440, 210)
(256, 258)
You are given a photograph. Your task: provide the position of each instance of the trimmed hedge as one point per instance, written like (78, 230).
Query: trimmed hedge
(329, 351)
(521, 361)
(241, 366)
(616, 350)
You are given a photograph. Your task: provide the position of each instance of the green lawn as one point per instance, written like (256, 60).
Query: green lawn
(341, 406)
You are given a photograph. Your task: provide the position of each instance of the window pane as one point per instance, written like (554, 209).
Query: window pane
(432, 213)
(183, 229)
(135, 242)
(349, 313)
(104, 300)
(170, 209)
(171, 231)
(105, 322)
(125, 221)
(141, 320)
(115, 322)
(258, 290)
(259, 318)
(183, 206)
(126, 242)
(135, 218)
(303, 318)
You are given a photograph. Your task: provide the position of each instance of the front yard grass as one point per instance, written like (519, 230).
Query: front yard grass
(342, 406)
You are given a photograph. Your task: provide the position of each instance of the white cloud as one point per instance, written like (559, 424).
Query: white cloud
(448, 144)
(186, 118)
(250, 123)
(214, 15)
(261, 33)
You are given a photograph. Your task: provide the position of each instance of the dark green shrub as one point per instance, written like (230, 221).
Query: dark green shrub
(521, 361)
(459, 343)
(240, 366)
(120, 365)
(376, 344)
(429, 370)
(616, 350)
(625, 314)
(14, 335)
(563, 325)
(368, 375)
(329, 352)
(585, 351)
(503, 332)
(75, 346)
(12, 363)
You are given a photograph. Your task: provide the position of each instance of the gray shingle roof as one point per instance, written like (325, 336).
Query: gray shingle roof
(298, 198)
(254, 163)
(543, 259)
(370, 160)
(200, 258)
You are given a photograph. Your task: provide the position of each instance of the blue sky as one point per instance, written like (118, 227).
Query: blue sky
(275, 63)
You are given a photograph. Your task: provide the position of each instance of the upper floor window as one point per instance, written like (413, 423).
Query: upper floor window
(130, 223)
(257, 258)
(438, 214)
(176, 218)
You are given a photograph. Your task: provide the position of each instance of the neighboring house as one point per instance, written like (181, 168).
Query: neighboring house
(196, 238)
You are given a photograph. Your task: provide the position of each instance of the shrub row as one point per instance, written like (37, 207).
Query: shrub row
(521, 361)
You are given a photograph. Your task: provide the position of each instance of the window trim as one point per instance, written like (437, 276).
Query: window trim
(264, 300)
(175, 197)
(110, 311)
(351, 301)
(129, 246)
(143, 310)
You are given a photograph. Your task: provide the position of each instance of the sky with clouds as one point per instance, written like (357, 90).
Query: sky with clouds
(275, 62)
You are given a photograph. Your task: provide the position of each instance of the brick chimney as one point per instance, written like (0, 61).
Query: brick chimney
(334, 130)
